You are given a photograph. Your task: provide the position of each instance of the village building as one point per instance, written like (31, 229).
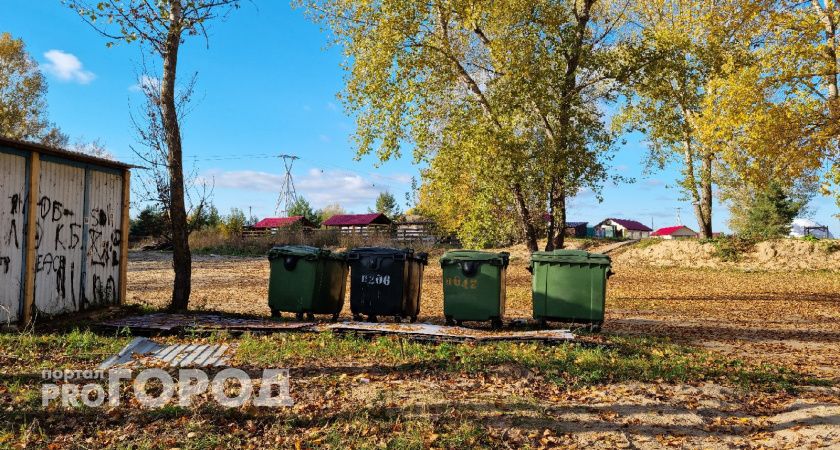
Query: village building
(675, 232)
(275, 223)
(64, 224)
(359, 223)
(622, 228)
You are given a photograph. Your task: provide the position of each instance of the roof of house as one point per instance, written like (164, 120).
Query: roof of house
(667, 231)
(278, 222)
(343, 220)
(569, 224)
(62, 153)
(629, 224)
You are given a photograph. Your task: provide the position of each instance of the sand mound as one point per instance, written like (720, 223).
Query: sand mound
(782, 254)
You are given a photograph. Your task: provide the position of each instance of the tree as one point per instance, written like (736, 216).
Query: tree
(301, 207)
(686, 47)
(386, 204)
(804, 44)
(767, 214)
(151, 221)
(93, 148)
(23, 90)
(510, 88)
(214, 219)
(234, 223)
(162, 26)
(333, 209)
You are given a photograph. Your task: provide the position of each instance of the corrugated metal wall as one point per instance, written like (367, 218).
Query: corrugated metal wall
(104, 230)
(59, 239)
(78, 233)
(12, 227)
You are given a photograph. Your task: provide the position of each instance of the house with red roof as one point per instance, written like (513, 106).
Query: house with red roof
(622, 228)
(358, 223)
(675, 232)
(273, 223)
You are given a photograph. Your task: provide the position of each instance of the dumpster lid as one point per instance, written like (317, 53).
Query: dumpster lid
(500, 258)
(302, 251)
(401, 253)
(579, 256)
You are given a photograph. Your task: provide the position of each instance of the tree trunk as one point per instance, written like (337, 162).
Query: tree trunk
(181, 257)
(560, 202)
(525, 218)
(701, 193)
(556, 235)
(549, 232)
(706, 197)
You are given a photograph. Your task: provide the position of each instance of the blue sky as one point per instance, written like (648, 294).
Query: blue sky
(267, 85)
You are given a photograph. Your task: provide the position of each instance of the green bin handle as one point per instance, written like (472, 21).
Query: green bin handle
(290, 262)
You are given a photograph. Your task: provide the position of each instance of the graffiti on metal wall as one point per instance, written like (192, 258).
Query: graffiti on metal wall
(54, 258)
(103, 253)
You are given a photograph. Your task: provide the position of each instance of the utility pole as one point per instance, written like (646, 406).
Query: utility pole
(288, 196)
(679, 219)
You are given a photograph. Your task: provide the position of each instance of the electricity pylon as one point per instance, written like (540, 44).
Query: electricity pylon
(288, 196)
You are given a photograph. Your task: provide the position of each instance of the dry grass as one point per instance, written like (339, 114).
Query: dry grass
(788, 317)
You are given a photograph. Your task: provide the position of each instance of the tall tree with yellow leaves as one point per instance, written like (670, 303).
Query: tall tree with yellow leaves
(689, 46)
(500, 97)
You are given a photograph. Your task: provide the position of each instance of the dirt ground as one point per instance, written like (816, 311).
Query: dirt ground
(790, 318)
(787, 317)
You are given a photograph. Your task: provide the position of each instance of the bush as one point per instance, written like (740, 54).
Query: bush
(731, 248)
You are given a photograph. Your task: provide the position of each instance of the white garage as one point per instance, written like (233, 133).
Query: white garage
(63, 231)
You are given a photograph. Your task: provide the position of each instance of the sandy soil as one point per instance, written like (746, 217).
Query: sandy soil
(784, 317)
(792, 318)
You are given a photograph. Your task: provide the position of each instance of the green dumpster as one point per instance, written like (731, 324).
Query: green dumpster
(307, 280)
(570, 286)
(474, 286)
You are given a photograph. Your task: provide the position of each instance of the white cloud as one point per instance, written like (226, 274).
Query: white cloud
(66, 67)
(321, 187)
(324, 138)
(145, 82)
(332, 106)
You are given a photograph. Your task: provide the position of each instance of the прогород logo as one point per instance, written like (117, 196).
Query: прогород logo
(154, 388)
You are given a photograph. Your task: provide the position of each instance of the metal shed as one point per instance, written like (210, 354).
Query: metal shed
(65, 248)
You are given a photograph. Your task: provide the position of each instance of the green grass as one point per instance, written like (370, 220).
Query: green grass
(379, 423)
(573, 365)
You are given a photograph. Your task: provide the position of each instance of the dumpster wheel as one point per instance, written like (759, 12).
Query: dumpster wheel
(496, 323)
(335, 317)
(275, 313)
(310, 316)
(450, 321)
(299, 316)
(357, 317)
(413, 319)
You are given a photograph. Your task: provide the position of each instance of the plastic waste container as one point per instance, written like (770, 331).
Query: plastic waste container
(570, 286)
(307, 280)
(385, 282)
(474, 286)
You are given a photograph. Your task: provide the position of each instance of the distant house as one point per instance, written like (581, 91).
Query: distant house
(675, 232)
(415, 228)
(359, 223)
(622, 228)
(574, 229)
(273, 223)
